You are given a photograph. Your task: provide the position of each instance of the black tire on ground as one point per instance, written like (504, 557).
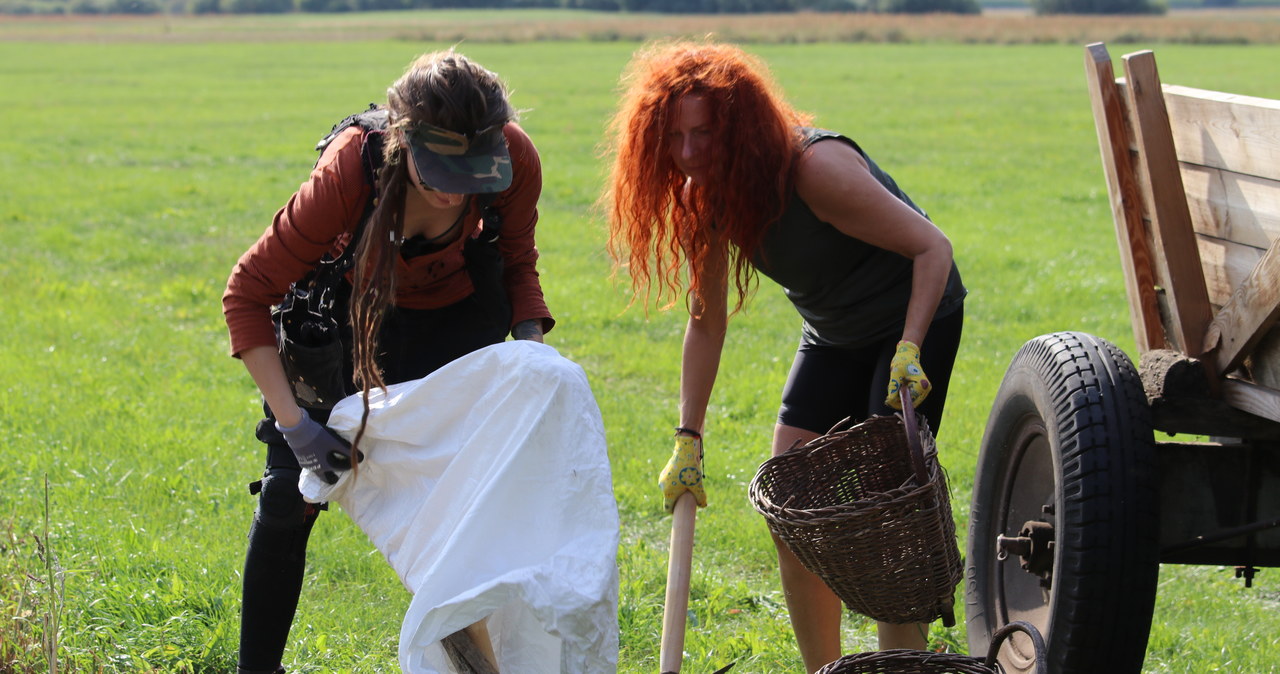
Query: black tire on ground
(1069, 449)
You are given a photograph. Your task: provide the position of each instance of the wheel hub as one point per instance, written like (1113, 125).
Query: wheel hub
(1034, 544)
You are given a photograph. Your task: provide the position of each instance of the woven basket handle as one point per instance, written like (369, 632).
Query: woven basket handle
(1037, 644)
(913, 436)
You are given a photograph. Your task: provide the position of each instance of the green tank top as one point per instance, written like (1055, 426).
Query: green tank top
(848, 292)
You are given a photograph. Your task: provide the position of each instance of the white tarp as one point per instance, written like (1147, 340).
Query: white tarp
(487, 487)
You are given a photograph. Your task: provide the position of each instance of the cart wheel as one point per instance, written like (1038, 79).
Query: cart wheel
(1064, 528)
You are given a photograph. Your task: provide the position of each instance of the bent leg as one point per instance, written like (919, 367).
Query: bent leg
(914, 636)
(273, 569)
(815, 610)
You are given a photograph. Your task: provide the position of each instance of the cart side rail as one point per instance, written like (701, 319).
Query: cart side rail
(1194, 180)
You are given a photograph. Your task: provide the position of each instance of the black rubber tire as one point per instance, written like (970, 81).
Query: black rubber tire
(1069, 429)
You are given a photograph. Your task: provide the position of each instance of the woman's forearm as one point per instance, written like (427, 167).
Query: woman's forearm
(704, 340)
(263, 363)
(930, 271)
(700, 361)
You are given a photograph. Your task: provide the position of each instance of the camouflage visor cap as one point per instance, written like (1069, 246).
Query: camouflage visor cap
(455, 163)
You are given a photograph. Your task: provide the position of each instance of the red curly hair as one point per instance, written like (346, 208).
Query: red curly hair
(657, 224)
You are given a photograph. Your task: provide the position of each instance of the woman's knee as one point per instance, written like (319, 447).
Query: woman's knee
(280, 504)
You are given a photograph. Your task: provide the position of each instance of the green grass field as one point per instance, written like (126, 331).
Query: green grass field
(135, 174)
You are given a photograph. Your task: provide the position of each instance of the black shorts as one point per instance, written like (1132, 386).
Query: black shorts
(829, 383)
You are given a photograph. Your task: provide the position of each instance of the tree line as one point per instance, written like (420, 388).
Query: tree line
(654, 6)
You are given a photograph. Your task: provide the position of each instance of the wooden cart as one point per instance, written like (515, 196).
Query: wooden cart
(1075, 503)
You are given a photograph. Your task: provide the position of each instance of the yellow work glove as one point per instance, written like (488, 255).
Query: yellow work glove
(905, 370)
(683, 472)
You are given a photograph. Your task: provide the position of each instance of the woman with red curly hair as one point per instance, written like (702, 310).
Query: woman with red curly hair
(715, 175)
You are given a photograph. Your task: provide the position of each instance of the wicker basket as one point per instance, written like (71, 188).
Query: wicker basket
(904, 661)
(868, 511)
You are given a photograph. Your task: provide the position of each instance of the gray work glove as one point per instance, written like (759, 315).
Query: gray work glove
(318, 448)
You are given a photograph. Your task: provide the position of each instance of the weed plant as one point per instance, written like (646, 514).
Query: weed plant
(135, 174)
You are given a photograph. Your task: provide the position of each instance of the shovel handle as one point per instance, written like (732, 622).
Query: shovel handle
(676, 608)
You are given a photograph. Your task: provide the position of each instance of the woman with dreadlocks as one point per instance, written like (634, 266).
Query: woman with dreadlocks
(715, 175)
(451, 152)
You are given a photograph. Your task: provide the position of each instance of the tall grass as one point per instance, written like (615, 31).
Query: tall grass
(135, 174)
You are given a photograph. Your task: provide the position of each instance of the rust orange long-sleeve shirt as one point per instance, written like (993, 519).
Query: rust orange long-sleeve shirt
(322, 215)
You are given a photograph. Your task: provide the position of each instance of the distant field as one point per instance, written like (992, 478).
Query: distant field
(139, 164)
(1246, 25)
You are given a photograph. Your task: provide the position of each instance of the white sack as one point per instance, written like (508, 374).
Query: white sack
(487, 487)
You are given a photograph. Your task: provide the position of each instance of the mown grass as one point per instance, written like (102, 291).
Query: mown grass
(135, 174)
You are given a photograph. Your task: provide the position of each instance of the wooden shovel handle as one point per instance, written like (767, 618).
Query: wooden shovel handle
(676, 608)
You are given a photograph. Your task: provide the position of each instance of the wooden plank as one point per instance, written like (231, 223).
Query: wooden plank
(1160, 270)
(1256, 400)
(1126, 199)
(1225, 131)
(1226, 205)
(1185, 293)
(467, 656)
(1180, 395)
(1264, 364)
(1247, 316)
(1226, 265)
